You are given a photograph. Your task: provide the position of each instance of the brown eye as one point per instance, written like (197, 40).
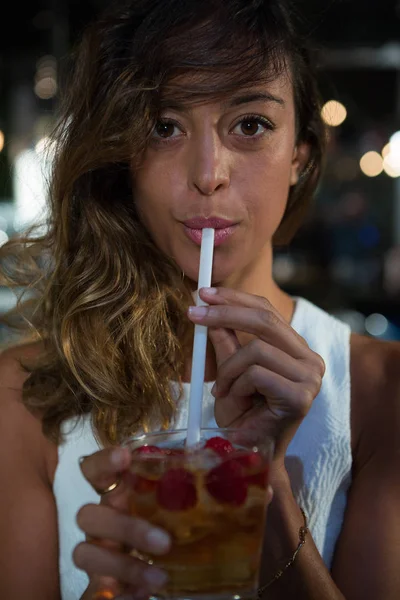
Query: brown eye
(253, 126)
(164, 129)
(250, 127)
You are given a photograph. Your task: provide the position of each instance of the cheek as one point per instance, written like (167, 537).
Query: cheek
(150, 187)
(156, 183)
(268, 190)
(153, 187)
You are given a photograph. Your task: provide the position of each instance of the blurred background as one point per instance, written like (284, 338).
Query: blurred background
(346, 257)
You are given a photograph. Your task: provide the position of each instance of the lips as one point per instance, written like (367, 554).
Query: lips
(211, 222)
(223, 229)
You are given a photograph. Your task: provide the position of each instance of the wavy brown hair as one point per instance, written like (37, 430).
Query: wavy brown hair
(107, 306)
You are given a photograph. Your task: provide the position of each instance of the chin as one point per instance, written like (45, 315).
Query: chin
(227, 263)
(220, 275)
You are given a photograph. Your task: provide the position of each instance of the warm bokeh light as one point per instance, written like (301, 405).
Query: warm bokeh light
(46, 88)
(394, 144)
(46, 77)
(1, 140)
(385, 150)
(391, 166)
(333, 113)
(371, 164)
(391, 156)
(47, 62)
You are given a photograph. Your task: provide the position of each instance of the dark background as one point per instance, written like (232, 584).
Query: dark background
(346, 257)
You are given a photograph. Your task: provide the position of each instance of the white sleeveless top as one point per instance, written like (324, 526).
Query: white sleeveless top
(318, 459)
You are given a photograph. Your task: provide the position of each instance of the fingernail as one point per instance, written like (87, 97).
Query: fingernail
(117, 456)
(210, 291)
(155, 577)
(198, 311)
(158, 540)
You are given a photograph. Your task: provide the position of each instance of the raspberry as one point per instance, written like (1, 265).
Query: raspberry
(219, 445)
(248, 460)
(256, 471)
(227, 484)
(176, 490)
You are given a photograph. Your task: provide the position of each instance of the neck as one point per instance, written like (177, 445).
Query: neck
(257, 279)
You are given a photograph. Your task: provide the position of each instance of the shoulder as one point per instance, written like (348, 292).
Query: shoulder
(375, 368)
(20, 430)
(375, 395)
(12, 373)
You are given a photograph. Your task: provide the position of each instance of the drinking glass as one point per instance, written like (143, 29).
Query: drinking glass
(212, 499)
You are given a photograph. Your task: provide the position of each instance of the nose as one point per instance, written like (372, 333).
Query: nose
(209, 169)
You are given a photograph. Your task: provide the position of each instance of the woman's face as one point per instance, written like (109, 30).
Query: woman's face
(225, 164)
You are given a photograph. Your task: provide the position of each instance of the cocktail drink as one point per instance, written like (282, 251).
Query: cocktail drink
(212, 500)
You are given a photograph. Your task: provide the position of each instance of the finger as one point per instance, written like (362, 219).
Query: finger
(229, 409)
(101, 521)
(221, 295)
(281, 396)
(264, 355)
(258, 322)
(285, 398)
(237, 298)
(102, 468)
(225, 344)
(95, 560)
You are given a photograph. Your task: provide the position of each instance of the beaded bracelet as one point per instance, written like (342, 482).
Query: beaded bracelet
(302, 540)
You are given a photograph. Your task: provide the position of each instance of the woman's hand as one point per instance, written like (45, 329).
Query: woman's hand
(111, 533)
(269, 381)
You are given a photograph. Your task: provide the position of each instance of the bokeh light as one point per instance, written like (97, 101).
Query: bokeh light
(371, 164)
(385, 150)
(391, 156)
(333, 113)
(376, 324)
(391, 166)
(46, 77)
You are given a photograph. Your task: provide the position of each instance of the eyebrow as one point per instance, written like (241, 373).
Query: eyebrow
(170, 104)
(255, 97)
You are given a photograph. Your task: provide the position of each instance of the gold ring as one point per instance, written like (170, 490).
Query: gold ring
(108, 489)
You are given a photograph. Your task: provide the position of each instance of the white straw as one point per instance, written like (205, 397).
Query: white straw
(200, 343)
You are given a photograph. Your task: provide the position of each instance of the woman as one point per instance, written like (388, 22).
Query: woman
(178, 115)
